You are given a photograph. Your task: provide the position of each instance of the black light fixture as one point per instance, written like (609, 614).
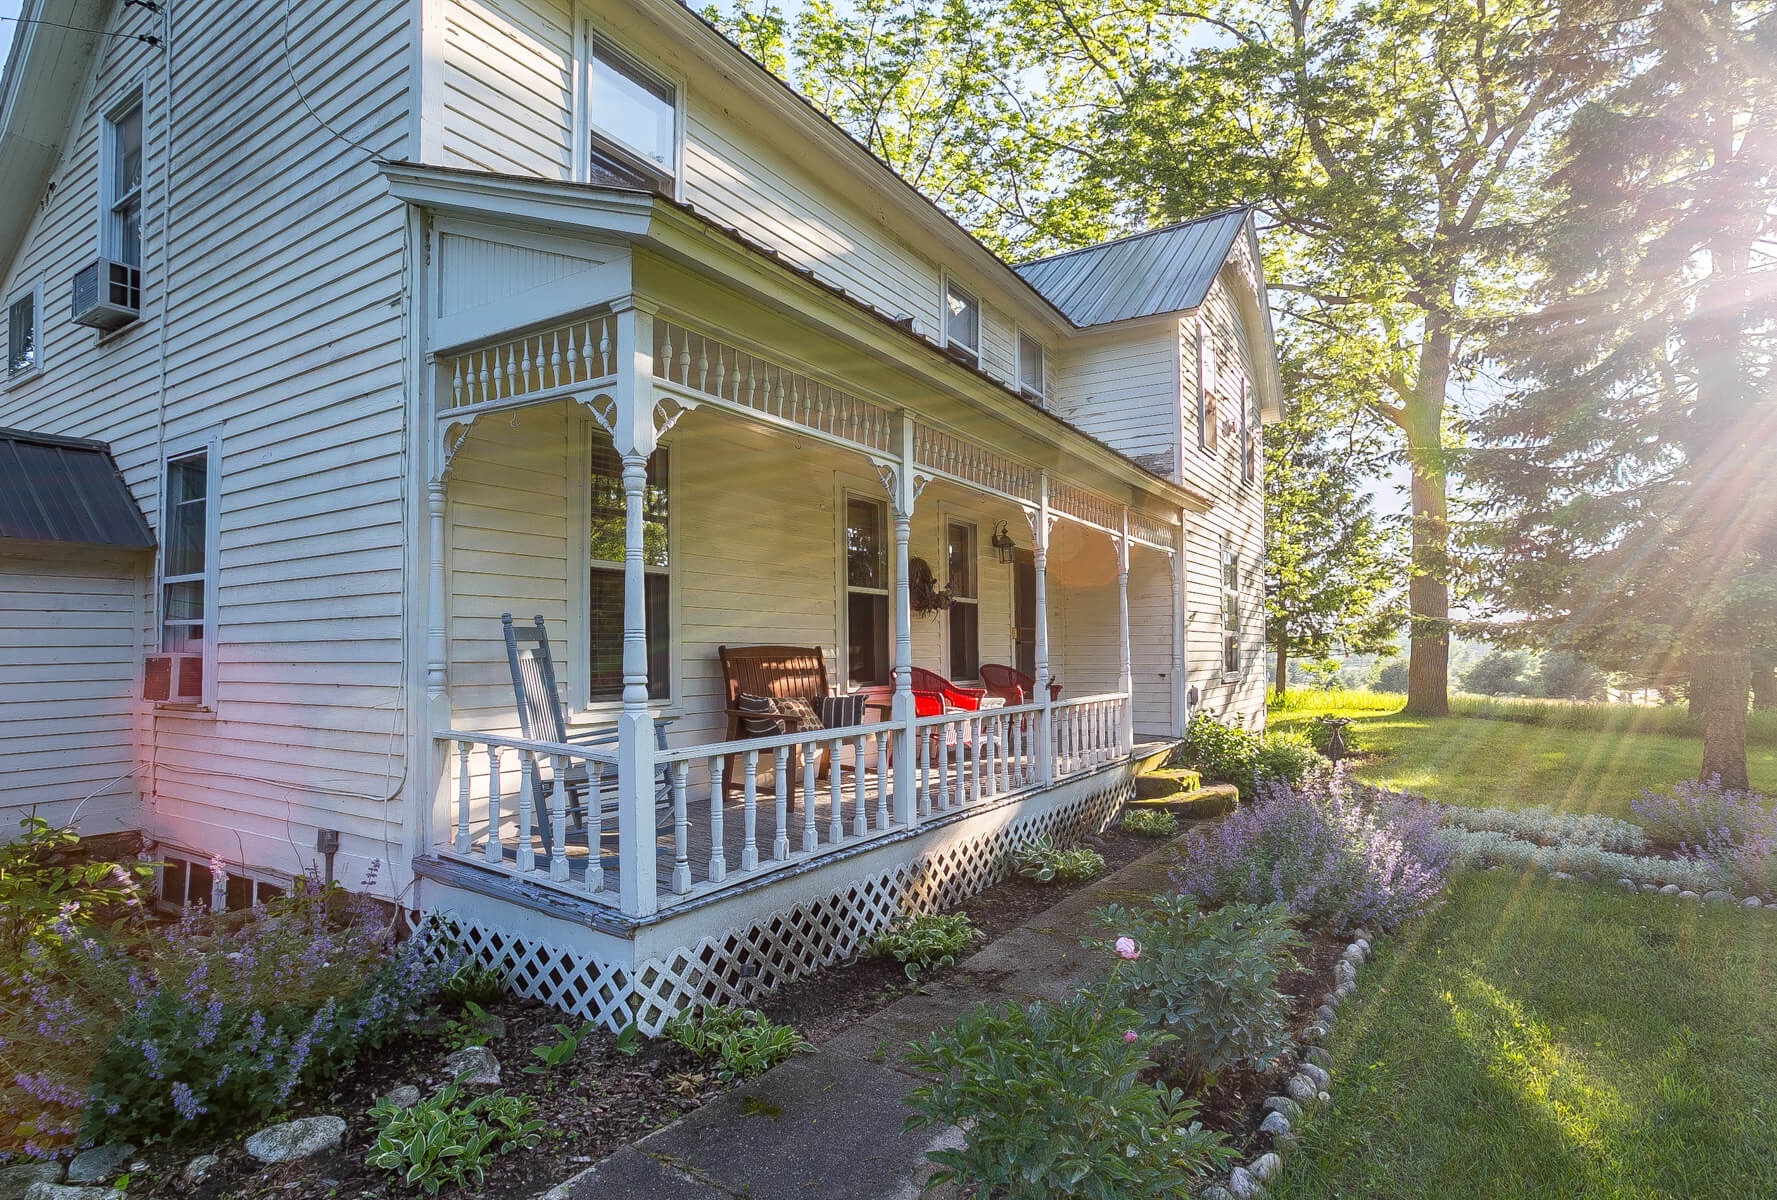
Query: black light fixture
(1004, 548)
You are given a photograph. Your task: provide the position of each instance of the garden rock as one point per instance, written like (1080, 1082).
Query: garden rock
(1352, 954)
(1302, 1089)
(100, 1163)
(1670, 889)
(405, 1096)
(1319, 1056)
(1277, 1125)
(1650, 887)
(1326, 1014)
(1628, 885)
(1264, 1167)
(1717, 897)
(1215, 1191)
(1315, 1033)
(1561, 876)
(1344, 971)
(296, 1139)
(1687, 894)
(57, 1191)
(1322, 1079)
(200, 1166)
(16, 1181)
(473, 1064)
(1284, 1106)
(1243, 1186)
(1750, 902)
(1345, 988)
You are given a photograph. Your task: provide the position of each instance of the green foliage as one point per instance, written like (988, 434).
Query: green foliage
(47, 892)
(446, 1140)
(743, 1041)
(558, 1053)
(1053, 1105)
(1149, 822)
(473, 1028)
(925, 941)
(1209, 979)
(1232, 755)
(1341, 703)
(474, 982)
(1285, 756)
(1042, 861)
(1499, 673)
(629, 1040)
(1674, 720)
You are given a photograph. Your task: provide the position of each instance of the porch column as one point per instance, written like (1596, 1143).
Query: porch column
(1180, 718)
(437, 646)
(633, 438)
(1039, 543)
(1125, 668)
(901, 501)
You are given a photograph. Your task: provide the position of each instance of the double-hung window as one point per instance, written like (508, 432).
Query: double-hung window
(1206, 402)
(188, 571)
(962, 324)
(121, 183)
(1249, 433)
(24, 333)
(605, 547)
(1230, 608)
(1032, 380)
(963, 580)
(867, 592)
(632, 119)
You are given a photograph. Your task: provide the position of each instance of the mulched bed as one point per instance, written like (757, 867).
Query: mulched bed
(603, 1100)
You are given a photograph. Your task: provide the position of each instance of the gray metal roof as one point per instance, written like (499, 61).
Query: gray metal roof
(1160, 271)
(57, 489)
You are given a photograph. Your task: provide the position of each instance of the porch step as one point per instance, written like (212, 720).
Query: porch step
(1151, 752)
(1182, 791)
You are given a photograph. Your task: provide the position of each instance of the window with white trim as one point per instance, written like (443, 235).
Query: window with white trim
(962, 323)
(24, 333)
(1230, 608)
(867, 581)
(963, 578)
(1249, 433)
(631, 121)
(1206, 403)
(606, 538)
(187, 563)
(120, 183)
(1032, 377)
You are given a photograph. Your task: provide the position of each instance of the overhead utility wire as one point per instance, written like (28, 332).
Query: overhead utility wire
(145, 38)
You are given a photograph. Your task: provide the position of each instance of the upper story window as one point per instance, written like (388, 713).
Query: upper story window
(120, 183)
(1230, 608)
(1032, 372)
(632, 117)
(24, 334)
(962, 324)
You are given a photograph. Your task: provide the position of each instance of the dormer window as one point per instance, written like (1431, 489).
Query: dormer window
(1032, 377)
(632, 117)
(962, 324)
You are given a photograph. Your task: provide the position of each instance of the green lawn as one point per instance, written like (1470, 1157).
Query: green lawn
(1533, 1040)
(1492, 763)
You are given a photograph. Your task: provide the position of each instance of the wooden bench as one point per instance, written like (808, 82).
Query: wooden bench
(774, 672)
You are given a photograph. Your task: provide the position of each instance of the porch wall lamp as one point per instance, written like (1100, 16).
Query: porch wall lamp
(1004, 548)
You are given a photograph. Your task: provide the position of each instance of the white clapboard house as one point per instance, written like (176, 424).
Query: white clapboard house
(337, 329)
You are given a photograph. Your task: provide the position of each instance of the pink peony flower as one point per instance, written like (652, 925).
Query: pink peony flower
(1126, 948)
(1129, 1035)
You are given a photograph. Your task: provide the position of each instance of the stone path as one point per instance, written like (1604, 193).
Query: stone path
(829, 1124)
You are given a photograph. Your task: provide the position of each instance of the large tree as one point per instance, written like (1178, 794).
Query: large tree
(1631, 479)
(1333, 568)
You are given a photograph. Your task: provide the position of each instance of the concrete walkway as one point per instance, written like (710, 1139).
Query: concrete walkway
(829, 1125)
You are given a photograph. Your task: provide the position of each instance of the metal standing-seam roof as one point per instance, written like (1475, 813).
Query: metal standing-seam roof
(1159, 271)
(57, 489)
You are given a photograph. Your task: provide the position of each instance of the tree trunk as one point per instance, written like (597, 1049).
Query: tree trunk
(1283, 663)
(1764, 682)
(1720, 682)
(1428, 590)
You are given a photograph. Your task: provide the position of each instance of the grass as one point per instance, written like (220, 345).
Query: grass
(1532, 1040)
(1486, 762)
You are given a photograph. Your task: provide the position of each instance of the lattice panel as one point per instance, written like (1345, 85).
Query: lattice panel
(738, 966)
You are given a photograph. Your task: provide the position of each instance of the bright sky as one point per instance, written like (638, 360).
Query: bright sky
(8, 10)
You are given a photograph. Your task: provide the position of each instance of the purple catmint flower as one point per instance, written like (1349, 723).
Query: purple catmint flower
(185, 1103)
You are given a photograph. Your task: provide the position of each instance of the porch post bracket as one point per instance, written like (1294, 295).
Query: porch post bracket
(667, 411)
(601, 407)
(452, 433)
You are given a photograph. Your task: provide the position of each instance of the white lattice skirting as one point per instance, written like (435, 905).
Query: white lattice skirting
(763, 953)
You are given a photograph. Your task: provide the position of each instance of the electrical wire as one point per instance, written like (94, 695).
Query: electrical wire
(147, 39)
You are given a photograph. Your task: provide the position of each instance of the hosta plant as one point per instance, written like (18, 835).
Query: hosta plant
(1149, 822)
(1044, 862)
(445, 1139)
(1053, 1105)
(742, 1041)
(925, 941)
(1208, 979)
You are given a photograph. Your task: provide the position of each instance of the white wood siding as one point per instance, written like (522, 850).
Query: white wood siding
(1121, 386)
(281, 335)
(70, 644)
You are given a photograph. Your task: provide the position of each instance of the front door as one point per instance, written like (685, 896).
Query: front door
(1024, 613)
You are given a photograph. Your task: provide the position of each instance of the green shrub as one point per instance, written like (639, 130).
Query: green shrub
(474, 982)
(925, 941)
(1149, 822)
(48, 894)
(1043, 862)
(743, 1041)
(442, 1140)
(1232, 755)
(1285, 757)
(1207, 978)
(1053, 1104)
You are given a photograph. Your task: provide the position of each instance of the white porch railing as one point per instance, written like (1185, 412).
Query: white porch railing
(732, 811)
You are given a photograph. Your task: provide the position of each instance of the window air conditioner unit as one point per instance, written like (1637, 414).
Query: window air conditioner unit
(107, 294)
(174, 678)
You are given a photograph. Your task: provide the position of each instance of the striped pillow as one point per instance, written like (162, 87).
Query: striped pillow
(838, 712)
(767, 724)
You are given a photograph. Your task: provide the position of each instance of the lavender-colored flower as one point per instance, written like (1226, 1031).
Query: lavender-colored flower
(185, 1103)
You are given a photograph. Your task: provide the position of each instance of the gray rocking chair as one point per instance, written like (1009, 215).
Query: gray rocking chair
(540, 719)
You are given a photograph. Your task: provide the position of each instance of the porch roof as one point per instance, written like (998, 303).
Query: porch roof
(60, 489)
(646, 216)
